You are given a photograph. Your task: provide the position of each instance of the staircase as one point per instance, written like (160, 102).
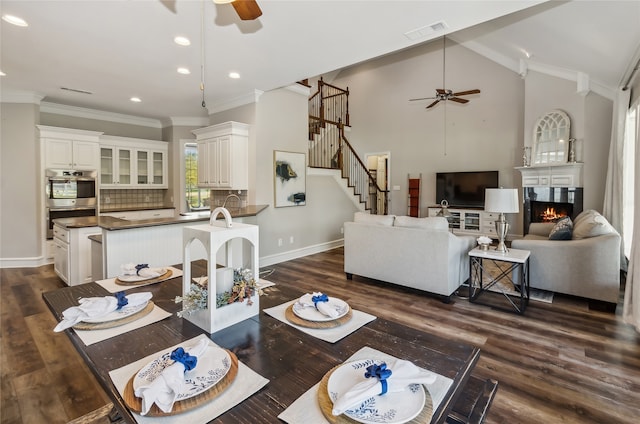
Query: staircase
(330, 149)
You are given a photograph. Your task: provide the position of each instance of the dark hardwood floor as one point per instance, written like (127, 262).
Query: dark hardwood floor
(564, 362)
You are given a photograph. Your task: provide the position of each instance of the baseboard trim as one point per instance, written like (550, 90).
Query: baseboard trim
(24, 262)
(299, 253)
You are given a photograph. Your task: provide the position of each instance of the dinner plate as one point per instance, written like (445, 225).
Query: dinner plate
(212, 366)
(310, 313)
(391, 408)
(133, 278)
(124, 312)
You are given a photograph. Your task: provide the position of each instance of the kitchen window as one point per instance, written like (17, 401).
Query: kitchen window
(197, 199)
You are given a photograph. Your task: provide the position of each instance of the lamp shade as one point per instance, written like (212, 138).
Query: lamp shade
(501, 200)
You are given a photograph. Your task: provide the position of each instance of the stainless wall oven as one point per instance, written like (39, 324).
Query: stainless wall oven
(69, 193)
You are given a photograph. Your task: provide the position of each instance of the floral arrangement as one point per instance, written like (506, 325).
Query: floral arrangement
(244, 287)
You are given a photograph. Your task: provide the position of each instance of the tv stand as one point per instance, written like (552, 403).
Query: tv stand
(475, 222)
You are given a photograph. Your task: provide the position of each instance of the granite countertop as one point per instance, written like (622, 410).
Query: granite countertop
(112, 224)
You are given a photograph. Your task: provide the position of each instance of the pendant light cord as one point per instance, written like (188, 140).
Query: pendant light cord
(202, 58)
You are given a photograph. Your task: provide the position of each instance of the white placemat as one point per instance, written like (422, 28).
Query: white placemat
(263, 284)
(306, 409)
(110, 283)
(90, 337)
(247, 382)
(330, 335)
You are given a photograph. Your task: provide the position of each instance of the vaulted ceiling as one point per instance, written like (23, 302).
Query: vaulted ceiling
(99, 54)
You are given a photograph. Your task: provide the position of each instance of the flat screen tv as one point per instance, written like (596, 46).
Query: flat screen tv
(464, 189)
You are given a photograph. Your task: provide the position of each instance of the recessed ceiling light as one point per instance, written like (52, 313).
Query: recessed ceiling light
(2, 74)
(234, 75)
(184, 71)
(15, 20)
(182, 41)
(135, 99)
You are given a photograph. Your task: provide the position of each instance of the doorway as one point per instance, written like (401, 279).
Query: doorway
(379, 165)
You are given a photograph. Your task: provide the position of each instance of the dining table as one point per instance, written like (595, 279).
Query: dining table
(293, 361)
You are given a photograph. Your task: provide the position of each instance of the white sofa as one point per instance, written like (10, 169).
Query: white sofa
(415, 252)
(587, 265)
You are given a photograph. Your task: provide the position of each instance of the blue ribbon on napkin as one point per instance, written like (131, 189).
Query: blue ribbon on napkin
(141, 266)
(122, 299)
(189, 361)
(321, 298)
(381, 373)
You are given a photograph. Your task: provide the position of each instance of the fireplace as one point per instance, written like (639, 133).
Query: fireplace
(547, 204)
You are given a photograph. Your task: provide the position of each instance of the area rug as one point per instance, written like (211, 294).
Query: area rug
(506, 286)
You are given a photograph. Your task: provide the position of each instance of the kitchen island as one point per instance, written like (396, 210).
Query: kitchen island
(157, 242)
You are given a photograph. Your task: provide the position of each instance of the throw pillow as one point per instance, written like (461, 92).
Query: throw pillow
(367, 218)
(429, 223)
(562, 230)
(585, 215)
(592, 225)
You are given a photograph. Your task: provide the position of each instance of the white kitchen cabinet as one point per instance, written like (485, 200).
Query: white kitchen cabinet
(72, 254)
(116, 167)
(133, 163)
(66, 148)
(151, 168)
(145, 214)
(223, 156)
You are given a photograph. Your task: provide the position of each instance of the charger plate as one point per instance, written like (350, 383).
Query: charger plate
(141, 280)
(134, 403)
(295, 319)
(326, 405)
(116, 322)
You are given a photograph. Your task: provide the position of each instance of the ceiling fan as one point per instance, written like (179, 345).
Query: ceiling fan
(444, 94)
(247, 10)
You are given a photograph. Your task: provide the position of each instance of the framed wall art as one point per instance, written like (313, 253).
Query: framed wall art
(290, 172)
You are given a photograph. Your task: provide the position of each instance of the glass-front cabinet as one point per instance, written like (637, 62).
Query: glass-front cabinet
(116, 166)
(132, 163)
(150, 167)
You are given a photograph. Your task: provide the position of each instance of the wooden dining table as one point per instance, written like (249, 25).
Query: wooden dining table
(292, 360)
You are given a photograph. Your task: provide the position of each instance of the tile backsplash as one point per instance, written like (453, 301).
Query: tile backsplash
(132, 198)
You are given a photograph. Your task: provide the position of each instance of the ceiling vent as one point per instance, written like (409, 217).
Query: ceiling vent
(75, 90)
(425, 31)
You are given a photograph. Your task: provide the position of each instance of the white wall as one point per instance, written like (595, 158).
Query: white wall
(484, 134)
(21, 201)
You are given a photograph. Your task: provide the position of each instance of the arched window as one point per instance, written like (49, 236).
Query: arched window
(551, 138)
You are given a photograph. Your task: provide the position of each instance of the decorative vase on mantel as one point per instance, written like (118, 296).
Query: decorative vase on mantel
(213, 236)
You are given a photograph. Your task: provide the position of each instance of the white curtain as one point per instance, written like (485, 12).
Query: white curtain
(631, 307)
(612, 208)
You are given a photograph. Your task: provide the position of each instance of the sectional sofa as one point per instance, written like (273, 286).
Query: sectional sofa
(420, 253)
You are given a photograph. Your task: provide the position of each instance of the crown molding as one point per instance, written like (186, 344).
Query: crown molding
(584, 83)
(186, 121)
(10, 96)
(245, 99)
(299, 89)
(81, 112)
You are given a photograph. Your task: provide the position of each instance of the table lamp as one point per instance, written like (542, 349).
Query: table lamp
(501, 200)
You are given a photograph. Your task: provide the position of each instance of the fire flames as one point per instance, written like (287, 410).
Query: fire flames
(550, 214)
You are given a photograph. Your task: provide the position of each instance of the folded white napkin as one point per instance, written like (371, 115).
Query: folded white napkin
(97, 307)
(323, 307)
(403, 373)
(165, 388)
(129, 270)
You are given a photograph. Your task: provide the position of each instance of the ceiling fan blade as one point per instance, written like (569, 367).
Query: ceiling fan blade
(421, 98)
(441, 91)
(432, 104)
(464, 93)
(247, 10)
(459, 100)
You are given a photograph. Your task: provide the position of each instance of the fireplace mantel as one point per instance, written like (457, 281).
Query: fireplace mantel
(562, 175)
